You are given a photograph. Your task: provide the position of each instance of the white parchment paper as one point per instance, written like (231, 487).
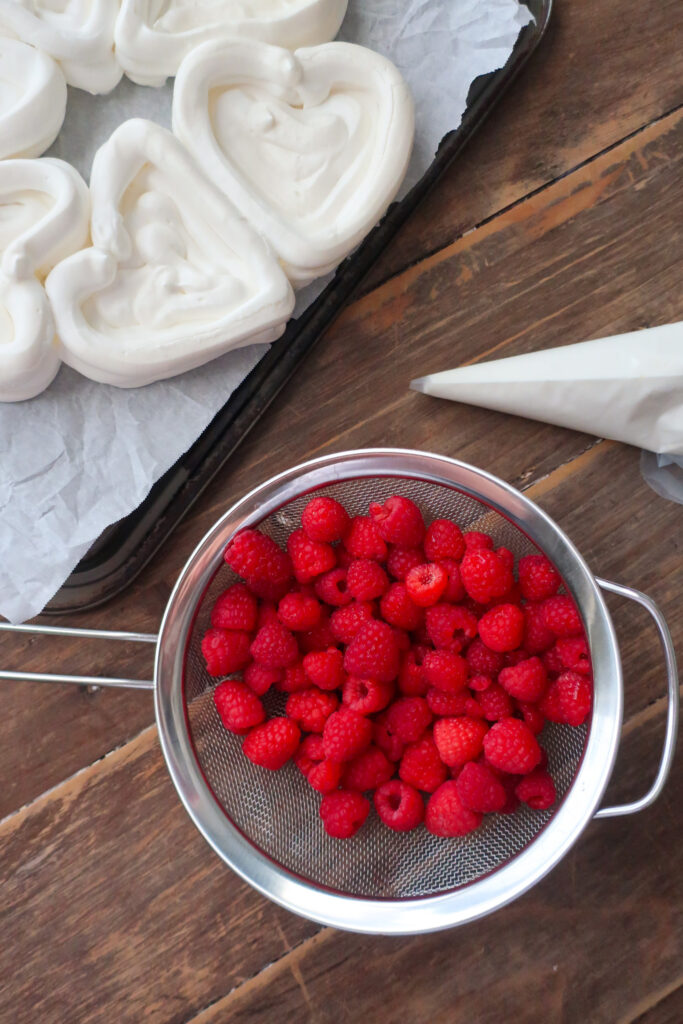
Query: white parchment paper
(83, 455)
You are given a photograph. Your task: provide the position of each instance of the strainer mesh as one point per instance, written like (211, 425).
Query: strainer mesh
(278, 811)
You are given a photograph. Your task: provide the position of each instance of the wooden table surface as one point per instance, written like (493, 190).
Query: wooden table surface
(563, 221)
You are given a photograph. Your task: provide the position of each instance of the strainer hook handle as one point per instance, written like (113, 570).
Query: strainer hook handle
(90, 634)
(671, 732)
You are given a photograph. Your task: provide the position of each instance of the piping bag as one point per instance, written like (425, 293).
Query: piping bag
(628, 388)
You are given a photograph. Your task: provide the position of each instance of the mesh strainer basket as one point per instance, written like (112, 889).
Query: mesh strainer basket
(265, 825)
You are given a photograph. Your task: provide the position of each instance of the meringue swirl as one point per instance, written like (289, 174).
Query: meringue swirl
(32, 100)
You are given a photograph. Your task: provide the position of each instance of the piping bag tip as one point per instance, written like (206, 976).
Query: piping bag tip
(418, 384)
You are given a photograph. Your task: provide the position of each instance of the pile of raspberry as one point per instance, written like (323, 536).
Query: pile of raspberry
(420, 668)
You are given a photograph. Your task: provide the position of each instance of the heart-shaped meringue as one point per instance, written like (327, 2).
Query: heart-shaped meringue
(77, 33)
(310, 146)
(175, 276)
(32, 99)
(44, 210)
(152, 38)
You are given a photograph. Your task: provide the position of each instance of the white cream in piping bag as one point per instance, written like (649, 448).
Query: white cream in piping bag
(175, 276)
(32, 99)
(44, 211)
(77, 33)
(311, 146)
(153, 37)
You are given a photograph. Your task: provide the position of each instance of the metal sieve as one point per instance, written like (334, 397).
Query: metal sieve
(265, 825)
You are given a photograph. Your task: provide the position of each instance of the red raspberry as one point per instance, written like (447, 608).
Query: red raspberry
(447, 705)
(482, 660)
(343, 813)
(225, 651)
(573, 653)
(366, 580)
(320, 637)
(401, 560)
(426, 583)
(325, 776)
(403, 641)
(552, 661)
(364, 540)
(346, 734)
(373, 653)
(509, 783)
(538, 578)
(511, 747)
(444, 540)
(569, 699)
(384, 738)
(294, 679)
(446, 815)
(238, 706)
(495, 703)
(445, 670)
(399, 521)
(455, 590)
(259, 679)
(310, 753)
(526, 680)
(366, 695)
(506, 557)
(479, 683)
(399, 805)
(475, 541)
(299, 612)
(532, 715)
(367, 770)
(325, 668)
(310, 709)
(537, 790)
(332, 588)
(561, 616)
(309, 557)
(408, 717)
(324, 520)
(421, 765)
(411, 681)
(398, 608)
(502, 628)
(479, 789)
(537, 637)
(267, 613)
(344, 559)
(514, 657)
(274, 646)
(272, 744)
(459, 739)
(449, 627)
(258, 560)
(346, 622)
(485, 575)
(235, 608)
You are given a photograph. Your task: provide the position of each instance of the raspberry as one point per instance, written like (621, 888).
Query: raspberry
(502, 628)
(364, 540)
(476, 541)
(235, 608)
(258, 560)
(479, 683)
(399, 806)
(482, 660)
(526, 680)
(267, 613)
(309, 558)
(367, 770)
(403, 641)
(509, 782)
(538, 578)
(325, 668)
(426, 583)
(294, 679)
(238, 706)
(421, 765)
(532, 715)
(511, 747)
(552, 661)
(325, 776)
(568, 700)
(573, 653)
(537, 790)
(514, 657)
(299, 612)
(310, 709)
(373, 653)
(495, 703)
(346, 734)
(384, 738)
(446, 815)
(401, 560)
(445, 670)
(411, 681)
(447, 705)
(272, 744)
(479, 789)
(366, 580)
(444, 540)
(344, 559)
(398, 608)
(324, 520)
(537, 637)
(310, 753)
(346, 622)
(408, 717)
(459, 740)
(343, 813)
(320, 637)
(455, 590)
(485, 575)
(561, 616)
(450, 626)
(274, 646)
(260, 679)
(331, 588)
(399, 521)
(366, 695)
(507, 557)
(225, 651)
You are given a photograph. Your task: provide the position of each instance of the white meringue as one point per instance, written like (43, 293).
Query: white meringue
(153, 37)
(44, 211)
(32, 99)
(311, 146)
(175, 276)
(77, 33)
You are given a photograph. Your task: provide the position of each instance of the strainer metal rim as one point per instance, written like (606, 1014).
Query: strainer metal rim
(408, 915)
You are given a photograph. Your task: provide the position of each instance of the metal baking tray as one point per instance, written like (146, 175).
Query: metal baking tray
(124, 548)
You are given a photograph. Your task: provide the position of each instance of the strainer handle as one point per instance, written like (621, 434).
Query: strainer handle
(673, 702)
(90, 634)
